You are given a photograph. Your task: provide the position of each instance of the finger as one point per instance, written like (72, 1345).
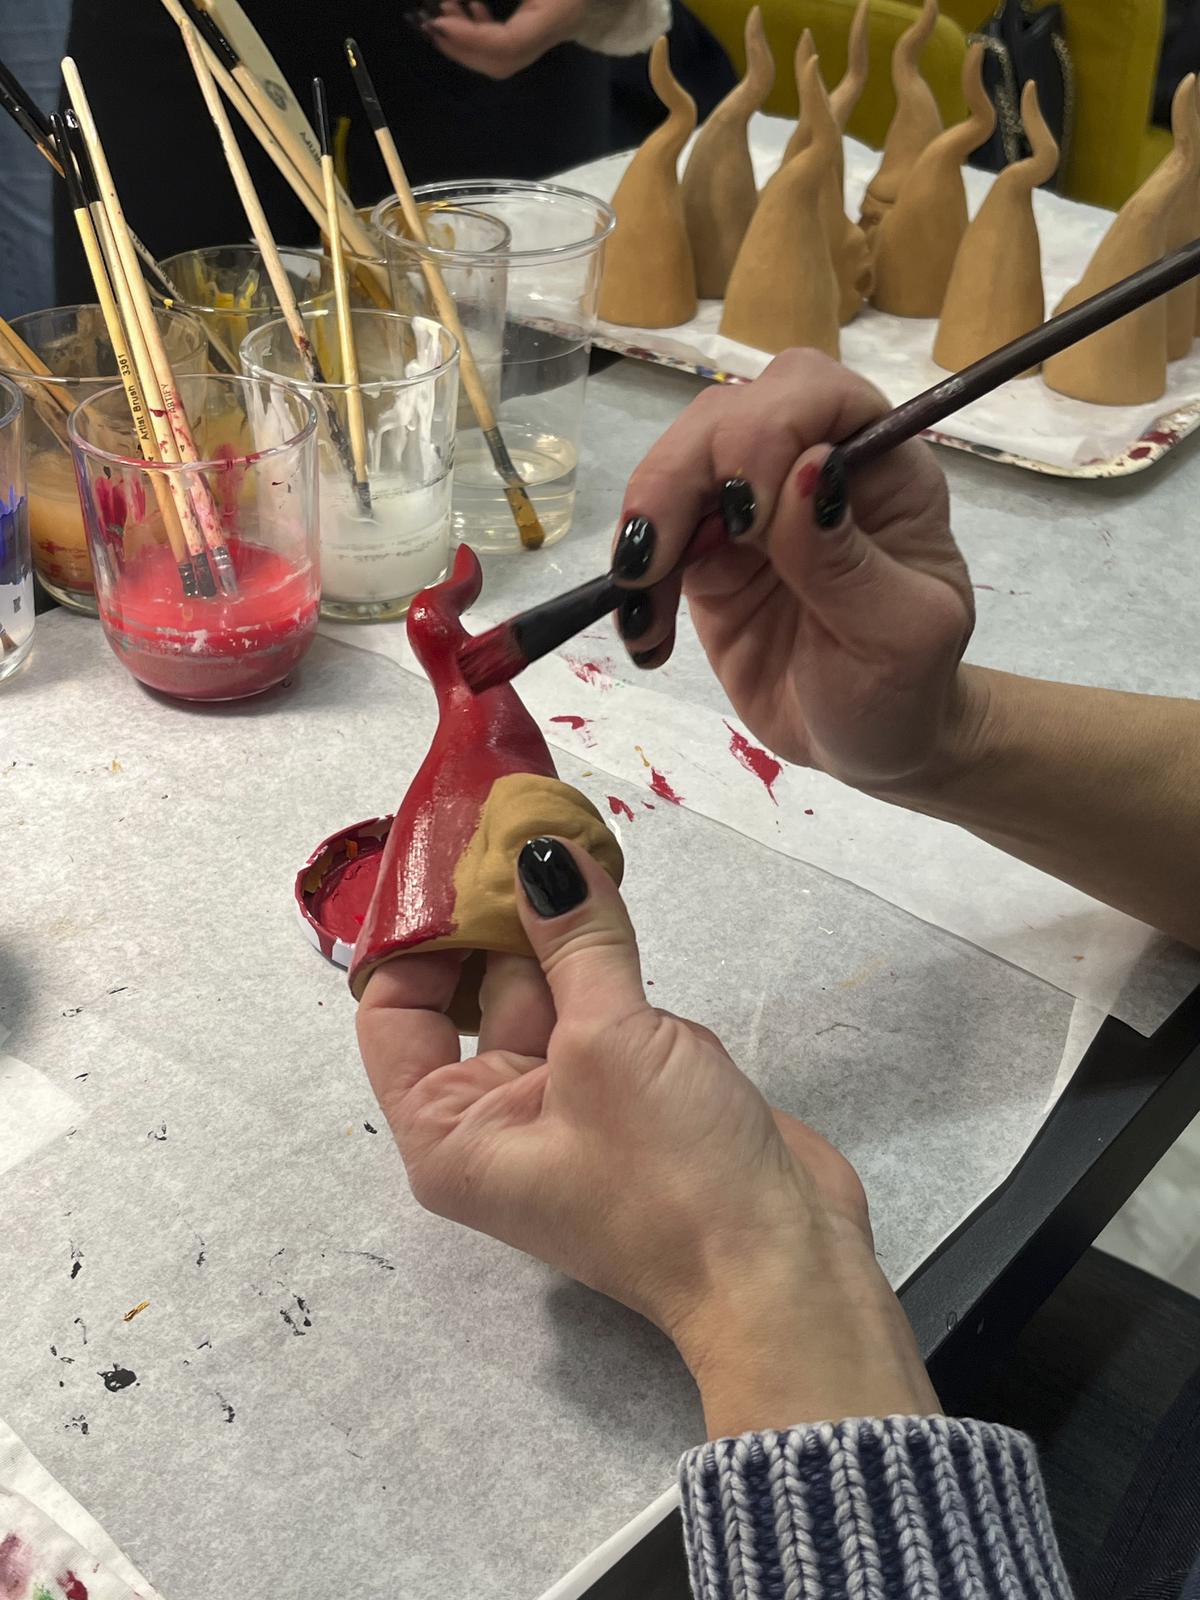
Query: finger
(478, 12)
(403, 1032)
(580, 933)
(656, 656)
(872, 604)
(733, 448)
(518, 1013)
(646, 617)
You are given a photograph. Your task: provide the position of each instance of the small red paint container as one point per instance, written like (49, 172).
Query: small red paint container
(335, 884)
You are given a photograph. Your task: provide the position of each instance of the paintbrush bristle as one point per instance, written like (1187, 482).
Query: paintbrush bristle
(532, 533)
(494, 657)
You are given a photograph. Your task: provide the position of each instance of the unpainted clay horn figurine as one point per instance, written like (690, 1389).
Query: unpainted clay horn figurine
(848, 247)
(915, 123)
(919, 236)
(846, 96)
(486, 786)
(649, 277)
(1181, 228)
(719, 192)
(783, 290)
(1126, 363)
(995, 291)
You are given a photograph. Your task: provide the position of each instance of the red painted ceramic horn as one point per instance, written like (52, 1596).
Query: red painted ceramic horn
(487, 785)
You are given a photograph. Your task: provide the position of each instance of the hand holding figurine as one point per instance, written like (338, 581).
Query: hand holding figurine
(467, 32)
(622, 1145)
(837, 615)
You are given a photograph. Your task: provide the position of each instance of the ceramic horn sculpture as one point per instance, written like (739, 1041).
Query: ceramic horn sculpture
(915, 124)
(918, 238)
(1126, 363)
(849, 251)
(995, 291)
(486, 786)
(719, 192)
(649, 277)
(783, 290)
(1181, 229)
(846, 96)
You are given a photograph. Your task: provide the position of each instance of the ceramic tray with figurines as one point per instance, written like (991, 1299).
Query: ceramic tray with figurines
(1026, 423)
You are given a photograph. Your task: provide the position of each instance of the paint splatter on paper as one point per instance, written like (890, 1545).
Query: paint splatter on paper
(596, 673)
(72, 1587)
(117, 1378)
(662, 788)
(579, 725)
(619, 808)
(758, 761)
(16, 1560)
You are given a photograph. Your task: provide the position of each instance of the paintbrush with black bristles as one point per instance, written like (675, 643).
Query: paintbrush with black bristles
(498, 655)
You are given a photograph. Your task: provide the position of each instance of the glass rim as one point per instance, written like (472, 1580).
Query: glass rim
(500, 188)
(369, 385)
(171, 302)
(66, 380)
(223, 464)
(13, 396)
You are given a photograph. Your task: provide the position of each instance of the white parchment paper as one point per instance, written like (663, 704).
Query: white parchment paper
(1024, 419)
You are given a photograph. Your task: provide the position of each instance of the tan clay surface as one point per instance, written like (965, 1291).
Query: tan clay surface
(919, 236)
(1181, 227)
(783, 290)
(719, 192)
(806, 51)
(995, 292)
(846, 96)
(519, 807)
(1126, 363)
(649, 279)
(848, 247)
(916, 123)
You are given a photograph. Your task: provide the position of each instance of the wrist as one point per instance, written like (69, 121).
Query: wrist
(814, 1336)
(967, 741)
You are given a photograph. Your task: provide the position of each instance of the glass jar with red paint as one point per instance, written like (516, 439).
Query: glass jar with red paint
(207, 571)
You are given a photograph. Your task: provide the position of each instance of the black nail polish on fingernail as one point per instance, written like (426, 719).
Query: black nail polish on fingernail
(738, 507)
(829, 497)
(635, 614)
(552, 882)
(643, 658)
(635, 549)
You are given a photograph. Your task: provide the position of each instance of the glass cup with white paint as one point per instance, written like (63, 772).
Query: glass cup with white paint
(376, 556)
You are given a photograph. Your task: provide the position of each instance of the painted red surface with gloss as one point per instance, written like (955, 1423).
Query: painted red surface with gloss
(479, 738)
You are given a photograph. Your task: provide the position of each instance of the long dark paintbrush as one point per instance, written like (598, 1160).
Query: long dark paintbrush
(25, 112)
(517, 494)
(498, 655)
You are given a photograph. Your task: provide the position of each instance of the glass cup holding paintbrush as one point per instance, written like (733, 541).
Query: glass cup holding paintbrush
(527, 311)
(228, 289)
(16, 570)
(72, 342)
(373, 562)
(257, 472)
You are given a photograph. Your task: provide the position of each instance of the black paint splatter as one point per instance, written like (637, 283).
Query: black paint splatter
(369, 1128)
(80, 1076)
(205, 1344)
(72, 1011)
(159, 1133)
(117, 1378)
(76, 1261)
(80, 1422)
(230, 1413)
(82, 1326)
(300, 1319)
(369, 1255)
(202, 1253)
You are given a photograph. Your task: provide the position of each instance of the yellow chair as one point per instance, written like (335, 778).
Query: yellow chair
(1114, 47)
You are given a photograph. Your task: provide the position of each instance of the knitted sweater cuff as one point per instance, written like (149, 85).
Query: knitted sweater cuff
(929, 1507)
(623, 27)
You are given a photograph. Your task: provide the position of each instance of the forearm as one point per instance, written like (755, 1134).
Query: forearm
(1097, 787)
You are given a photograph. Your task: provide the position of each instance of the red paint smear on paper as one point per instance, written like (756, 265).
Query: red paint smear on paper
(619, 807)
(1160, 436)
(763, 765)
(663, 789)
(1140, 453)
(15, 1564)
(597, 673)
(649, 805)
(808, 811)
(579, 725)
(73, 1587)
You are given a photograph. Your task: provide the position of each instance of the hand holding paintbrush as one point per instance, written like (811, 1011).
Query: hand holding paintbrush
(498, 655)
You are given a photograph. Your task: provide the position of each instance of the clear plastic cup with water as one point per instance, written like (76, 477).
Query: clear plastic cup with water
(16, 565)
(528, 311)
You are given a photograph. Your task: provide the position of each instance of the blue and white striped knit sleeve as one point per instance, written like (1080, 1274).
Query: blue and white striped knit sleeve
(924, 1508)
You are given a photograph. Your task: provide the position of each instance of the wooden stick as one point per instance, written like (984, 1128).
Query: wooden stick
(147, 442)
(295, 162)
(265, 240)
(142, 312)
(354, 404)
(528, 525)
